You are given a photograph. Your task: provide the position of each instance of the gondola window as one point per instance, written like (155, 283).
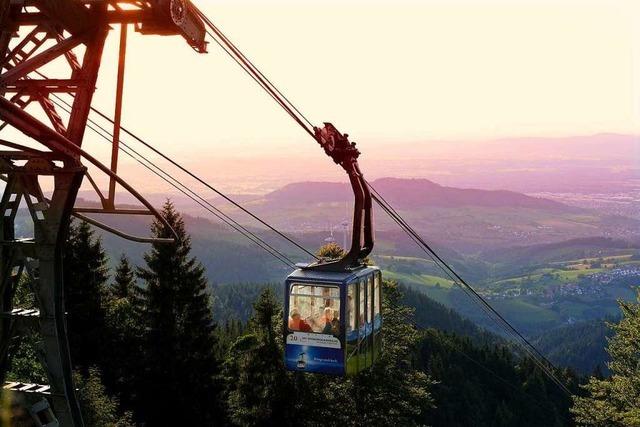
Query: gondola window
(314, 309)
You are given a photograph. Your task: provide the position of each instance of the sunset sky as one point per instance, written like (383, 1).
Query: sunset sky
(393, 70)
(386, 72)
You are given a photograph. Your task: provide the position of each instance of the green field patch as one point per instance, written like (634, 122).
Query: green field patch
(534, 275)
(580, 266)
(572, 275)
(622, 259)
(561, 276)
(418, 279)
(523, 312)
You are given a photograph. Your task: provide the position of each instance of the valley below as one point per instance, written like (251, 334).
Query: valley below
(544, 264)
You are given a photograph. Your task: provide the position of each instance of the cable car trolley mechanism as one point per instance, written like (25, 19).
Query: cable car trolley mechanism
(332, 310)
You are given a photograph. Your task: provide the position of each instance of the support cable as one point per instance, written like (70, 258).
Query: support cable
(95, 127)
(542, 362)
(194, 176)
(483, 367)
(250, 68)
(209, 186)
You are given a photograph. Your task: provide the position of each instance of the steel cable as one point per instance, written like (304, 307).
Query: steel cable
(155, 169)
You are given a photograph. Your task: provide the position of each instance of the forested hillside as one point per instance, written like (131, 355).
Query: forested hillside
(141, 331)
(489, 386)
(581, 346)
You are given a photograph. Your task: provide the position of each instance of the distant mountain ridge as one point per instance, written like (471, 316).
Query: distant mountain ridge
(412, 193)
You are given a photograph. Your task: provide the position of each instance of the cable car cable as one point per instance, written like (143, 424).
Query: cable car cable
(252, 237)
(261, 84)
(250, 68)
(254, 67)
(492, 314)
(186, 191)
(435, 262)
(537, 357)
(439, 261)
(220, 215)
(209, 186)
(483, 367)
(194, 176)
(197, 178)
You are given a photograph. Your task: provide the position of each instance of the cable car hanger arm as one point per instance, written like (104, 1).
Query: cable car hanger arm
(335, 145)
(344, 153)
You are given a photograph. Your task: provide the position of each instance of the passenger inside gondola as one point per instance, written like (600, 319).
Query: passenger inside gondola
(331, 323)
(297, 323)
(316, 309)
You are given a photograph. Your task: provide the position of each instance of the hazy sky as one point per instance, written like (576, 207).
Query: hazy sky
(385, 72)
(391, 70)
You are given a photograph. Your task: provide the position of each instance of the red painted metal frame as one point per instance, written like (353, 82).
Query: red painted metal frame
(85, 22)
(47, 30)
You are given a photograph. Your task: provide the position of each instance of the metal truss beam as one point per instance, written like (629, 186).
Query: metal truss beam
(26, 67)
(30, 38)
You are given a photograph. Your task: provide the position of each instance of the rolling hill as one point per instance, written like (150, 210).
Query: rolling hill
(411, 194)
(467, 220)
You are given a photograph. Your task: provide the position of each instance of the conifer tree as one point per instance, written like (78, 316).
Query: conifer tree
(98, 408)
(181, 381)
(394, 391)
(124, 280)
(260, 392)
(331, 251)
(615, 401)
(24, 363)
(122, 363)
(85, 279)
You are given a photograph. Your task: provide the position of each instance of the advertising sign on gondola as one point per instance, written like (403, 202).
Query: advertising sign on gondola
(311, 352)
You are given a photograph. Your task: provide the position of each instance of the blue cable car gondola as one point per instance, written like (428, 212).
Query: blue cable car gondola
(332, 313)
(333, 320)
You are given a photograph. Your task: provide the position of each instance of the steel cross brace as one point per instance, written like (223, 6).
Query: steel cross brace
(41, 257)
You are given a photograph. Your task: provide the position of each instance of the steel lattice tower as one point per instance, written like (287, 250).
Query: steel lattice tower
(33, 34)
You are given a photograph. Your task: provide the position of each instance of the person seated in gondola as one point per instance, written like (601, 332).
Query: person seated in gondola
(296, 323)
(331, 324)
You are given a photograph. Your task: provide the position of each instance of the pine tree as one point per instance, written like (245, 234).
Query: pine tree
(503, 416)
(124, 280)
(122, 363)
(259, 391)
(181, 384)
(394, 391)
(98, 408)
(334, 251)
(616, 401)
(331, 251)
(24, 362)
(85, 279)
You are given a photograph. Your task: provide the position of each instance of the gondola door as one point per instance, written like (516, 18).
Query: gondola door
(351, 335)
(364, 359)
